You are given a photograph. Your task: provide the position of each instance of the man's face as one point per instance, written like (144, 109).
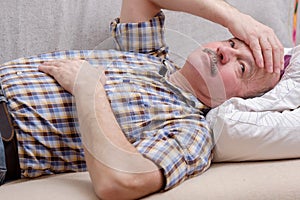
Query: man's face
(225, 69)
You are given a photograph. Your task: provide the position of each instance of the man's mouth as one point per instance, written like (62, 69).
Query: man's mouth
(213, 61)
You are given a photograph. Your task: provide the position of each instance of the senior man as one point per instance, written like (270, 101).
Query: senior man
(146, 106)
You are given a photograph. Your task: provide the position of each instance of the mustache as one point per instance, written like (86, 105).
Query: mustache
(213, 61)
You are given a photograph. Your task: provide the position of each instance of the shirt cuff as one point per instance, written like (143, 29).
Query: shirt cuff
(143, 37)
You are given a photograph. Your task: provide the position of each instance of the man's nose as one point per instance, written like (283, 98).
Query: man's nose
(227, 54)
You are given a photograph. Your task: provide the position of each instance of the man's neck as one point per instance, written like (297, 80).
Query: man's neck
(186, 78)
(180, 81)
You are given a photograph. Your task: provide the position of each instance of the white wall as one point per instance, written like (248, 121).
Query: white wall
(29, 27)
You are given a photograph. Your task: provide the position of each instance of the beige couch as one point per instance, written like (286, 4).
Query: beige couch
(35, 26)
(275, 180)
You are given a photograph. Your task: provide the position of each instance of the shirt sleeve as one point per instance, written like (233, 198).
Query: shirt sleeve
(180, 149)
(143, 37)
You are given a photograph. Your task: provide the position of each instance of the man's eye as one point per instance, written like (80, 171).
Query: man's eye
(232, 43)
(243, 68)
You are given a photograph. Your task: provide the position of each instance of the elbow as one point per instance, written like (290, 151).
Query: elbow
(110, 190)
(120, 187)
(109, 183)
(106, 191)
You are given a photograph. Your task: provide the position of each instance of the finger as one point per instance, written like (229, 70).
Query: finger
(281, 54)
(47, 68)
(278, 58)
(267, 52)
(68, 63)
(52, 67)
(282, 58)
(277, 53)
(257, 52)
(58, 63)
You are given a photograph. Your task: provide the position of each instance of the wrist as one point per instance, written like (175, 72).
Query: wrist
(231, 16)
(87, 79)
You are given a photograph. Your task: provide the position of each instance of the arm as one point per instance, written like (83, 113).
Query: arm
(266, 48)
(217, 11)
(109, 155)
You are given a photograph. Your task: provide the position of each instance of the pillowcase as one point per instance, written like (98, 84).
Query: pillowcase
(261, 128)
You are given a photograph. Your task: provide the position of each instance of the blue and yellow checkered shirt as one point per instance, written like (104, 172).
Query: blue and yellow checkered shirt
(163, 122)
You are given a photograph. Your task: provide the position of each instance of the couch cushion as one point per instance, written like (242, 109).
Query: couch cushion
(248, 180)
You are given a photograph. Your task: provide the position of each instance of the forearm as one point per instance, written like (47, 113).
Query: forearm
(95, 115)
(116, 168)
(112, 184)
(214, 10)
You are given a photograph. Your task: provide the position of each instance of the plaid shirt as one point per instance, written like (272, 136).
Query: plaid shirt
(162, 121)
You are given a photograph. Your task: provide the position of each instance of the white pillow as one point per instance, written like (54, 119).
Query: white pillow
(262, 128)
